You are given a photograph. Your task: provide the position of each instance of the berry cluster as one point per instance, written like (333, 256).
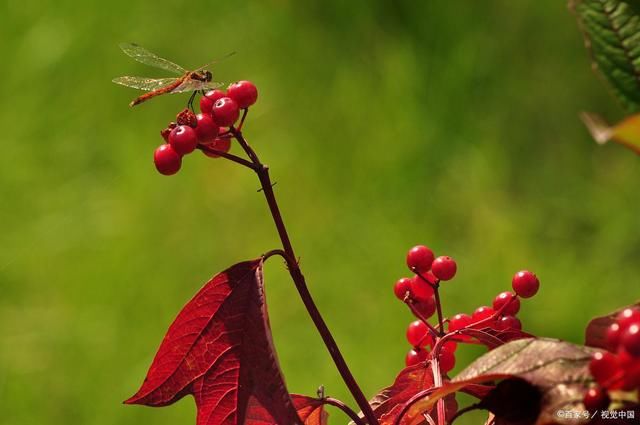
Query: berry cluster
(420, 293)
(618, 368)
(210, 130)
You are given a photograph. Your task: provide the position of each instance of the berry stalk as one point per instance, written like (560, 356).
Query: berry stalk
(298, 278)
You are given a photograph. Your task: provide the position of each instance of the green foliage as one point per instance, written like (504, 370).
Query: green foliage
(385, 124)
(612, 32)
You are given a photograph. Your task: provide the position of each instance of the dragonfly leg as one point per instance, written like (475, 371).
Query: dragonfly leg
(190, 103)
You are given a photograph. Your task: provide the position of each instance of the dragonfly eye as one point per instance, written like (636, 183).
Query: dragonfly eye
(208, 76)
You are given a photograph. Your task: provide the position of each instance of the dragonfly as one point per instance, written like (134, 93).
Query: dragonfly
(188, 81)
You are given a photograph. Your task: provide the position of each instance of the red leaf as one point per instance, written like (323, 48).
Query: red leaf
(220, 350)
(311, 410)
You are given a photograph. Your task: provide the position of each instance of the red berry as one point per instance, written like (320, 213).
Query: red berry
(508, 322)
(415, 356)
(167, 160)
(459, 321)
(603, 367)
(613, 337)
(206, 129)
(222, 144)
(419, 258)
(183, 139)
(450, 346)
(244, 93)
(417, 334)
(426, 308)
(631, 339)
(627, 317)
(596, 398)
(420, 289)
(444, 268)
(507, 297)
(482, 313)
(447, 361)
(207, 101)
(401, 287)
(525, 284)
(225, 111)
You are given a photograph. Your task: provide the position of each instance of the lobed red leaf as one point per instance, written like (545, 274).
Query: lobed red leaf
(219, 349)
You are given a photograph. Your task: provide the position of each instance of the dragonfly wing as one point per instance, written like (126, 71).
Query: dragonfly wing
(228, 55)
(144, 56)
(195, 85)
(143, 83)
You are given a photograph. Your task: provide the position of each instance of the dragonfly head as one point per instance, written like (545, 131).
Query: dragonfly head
(205, 76)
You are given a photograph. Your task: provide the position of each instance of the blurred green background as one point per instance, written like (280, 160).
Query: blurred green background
(386, 124)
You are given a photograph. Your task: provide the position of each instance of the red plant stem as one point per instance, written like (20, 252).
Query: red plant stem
(436, 292)
(437, 383)
(298, 278)
(413, 400)
(433, 331)
(346, 409)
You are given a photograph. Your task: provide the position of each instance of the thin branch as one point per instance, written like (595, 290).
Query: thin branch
(228, 156)
(413, 400)
(346, 409)
(298, 278)
(433, 331)
(463, 411)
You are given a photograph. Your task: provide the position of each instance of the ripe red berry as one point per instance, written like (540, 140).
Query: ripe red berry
(183, 139)
(225, 111)
(207, 101)
(444, 268)
(525, 284)
(426, 308)
(415, 356)
(507, 297)
(482, 313)
(631, 339)
(419, 259)
(417, 334)
(167, 160)
(401, 287)
(206, 128)
(627, 317)
(244, 93)
(450, 346)
(603, 367)
(420, 289)
(508, 322)
(459, 321)
(222, 144)
(613, 337)
(596, 398)
(447, 360)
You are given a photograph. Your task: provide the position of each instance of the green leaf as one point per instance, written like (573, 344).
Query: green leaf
(612, 34)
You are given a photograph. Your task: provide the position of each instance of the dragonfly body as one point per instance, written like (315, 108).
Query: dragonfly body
(188, 81)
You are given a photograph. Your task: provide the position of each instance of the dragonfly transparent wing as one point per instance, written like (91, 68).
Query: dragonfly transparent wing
(144, 56)
(228, 55)
(143, 83)
(194, 85)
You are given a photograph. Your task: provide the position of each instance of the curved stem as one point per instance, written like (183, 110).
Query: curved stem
(346, 409)
(298, 278)
(433, 331)
(228, 156)
(463, 411)
(411, 402)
